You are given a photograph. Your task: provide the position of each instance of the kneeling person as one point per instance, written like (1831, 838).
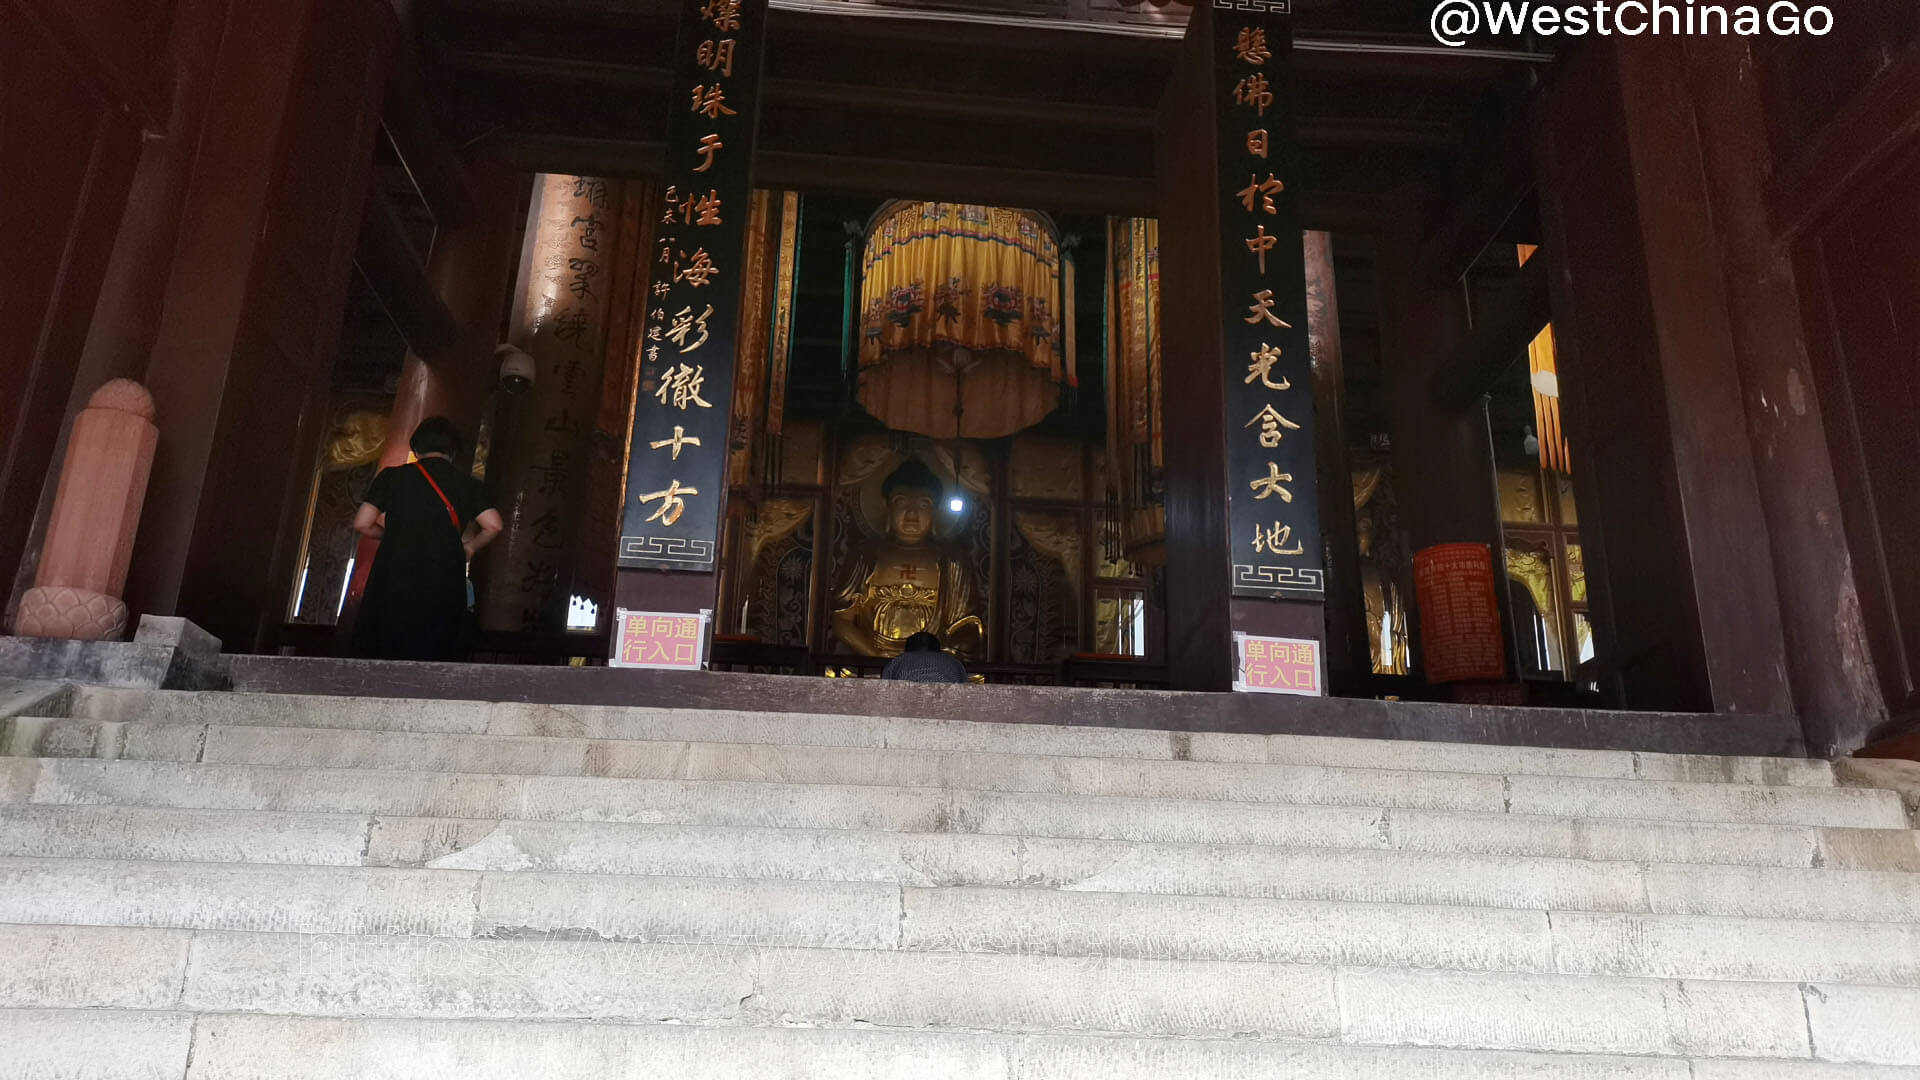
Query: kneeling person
(925, 662)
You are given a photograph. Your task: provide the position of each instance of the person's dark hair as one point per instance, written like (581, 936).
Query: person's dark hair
(436, 435)
(923, 642)
(912, 475)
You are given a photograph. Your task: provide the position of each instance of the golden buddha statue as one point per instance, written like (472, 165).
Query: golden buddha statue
(904, 583)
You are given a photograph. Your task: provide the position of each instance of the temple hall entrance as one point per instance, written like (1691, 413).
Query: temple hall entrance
(1006, 363)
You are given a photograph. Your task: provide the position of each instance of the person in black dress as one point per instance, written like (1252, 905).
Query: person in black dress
(430, 517)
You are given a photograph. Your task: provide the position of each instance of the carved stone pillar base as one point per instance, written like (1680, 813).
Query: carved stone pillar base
(61, 611)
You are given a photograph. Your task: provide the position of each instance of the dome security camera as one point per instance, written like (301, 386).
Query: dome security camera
(516, 369)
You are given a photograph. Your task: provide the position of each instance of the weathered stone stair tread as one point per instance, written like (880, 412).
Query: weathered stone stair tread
(929, 810)
(158, 1045)
(1225, 781)
(644, 723)
(867, 915)
(216, 886)
(397, 977)
(936, 859)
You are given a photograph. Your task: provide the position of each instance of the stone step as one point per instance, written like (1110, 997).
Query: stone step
(155, 1046)
(166, 835)
(395, 977)
(936, 859)
(866, 915)
(1127, 777)
(638, 723)
(925, 810)
(95, 1044)
(1386, 935)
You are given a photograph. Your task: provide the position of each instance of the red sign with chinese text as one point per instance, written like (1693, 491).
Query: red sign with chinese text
(652, 639)
(1460, 634)
(1277, 666)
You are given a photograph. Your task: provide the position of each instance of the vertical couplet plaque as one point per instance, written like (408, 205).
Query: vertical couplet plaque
(677, 464)
(1273, 507)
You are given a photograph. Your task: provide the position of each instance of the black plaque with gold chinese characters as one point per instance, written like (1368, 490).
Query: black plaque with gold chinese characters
(1273, 517)
(677, 468)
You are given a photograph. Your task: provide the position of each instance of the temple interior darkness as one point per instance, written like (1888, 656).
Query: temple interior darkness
(1099, 337)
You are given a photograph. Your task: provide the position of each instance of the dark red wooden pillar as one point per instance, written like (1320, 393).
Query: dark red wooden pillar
(251, 311)
(1442, 454)
(471, 269)
(77, 86)
(1349, 662)
(470, 272)
(1826, 651)
(1679, 560)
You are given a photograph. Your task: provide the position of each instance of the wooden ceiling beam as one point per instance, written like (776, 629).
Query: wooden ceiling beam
(1475, 217)
(538, 152)
(1521, 310)
(1878, 123)
(398, 277)
(541, 86)
(436, 171)
(582, 84)
(1065, 192)
(539, 74)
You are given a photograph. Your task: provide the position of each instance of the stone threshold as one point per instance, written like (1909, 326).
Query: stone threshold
(166, 653)
(1572, 729)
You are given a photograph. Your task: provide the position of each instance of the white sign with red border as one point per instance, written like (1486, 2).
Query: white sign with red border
(673, 640)
(1265, 665)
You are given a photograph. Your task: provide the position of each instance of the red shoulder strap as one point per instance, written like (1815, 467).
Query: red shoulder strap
(444, 501)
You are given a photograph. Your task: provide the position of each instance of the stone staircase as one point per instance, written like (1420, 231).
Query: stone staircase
(220, 886)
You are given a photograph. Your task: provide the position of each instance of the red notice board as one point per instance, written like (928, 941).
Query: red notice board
(1459, 614)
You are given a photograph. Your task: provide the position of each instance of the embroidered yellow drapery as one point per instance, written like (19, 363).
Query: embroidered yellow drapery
(959, 334)
(750, 374)
(1543, 371)
(1136, 425)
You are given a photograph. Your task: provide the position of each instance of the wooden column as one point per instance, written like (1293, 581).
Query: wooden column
(1828, 659)
(1679, 560)
(1442, 454)
(539, 457)
(471, 271)
(83, 566)
(1243, 529)
(247, 326)
(597, 542)
(1349, 661)
(76, 94)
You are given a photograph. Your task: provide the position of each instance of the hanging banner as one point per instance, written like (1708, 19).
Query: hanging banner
(1273, 510)
(677, 461)
(1460, 636)
(659, 639)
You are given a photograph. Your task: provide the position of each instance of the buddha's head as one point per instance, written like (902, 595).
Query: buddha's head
(911, 493)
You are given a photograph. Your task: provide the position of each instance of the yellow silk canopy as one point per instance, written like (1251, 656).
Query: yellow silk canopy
(959, 334)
